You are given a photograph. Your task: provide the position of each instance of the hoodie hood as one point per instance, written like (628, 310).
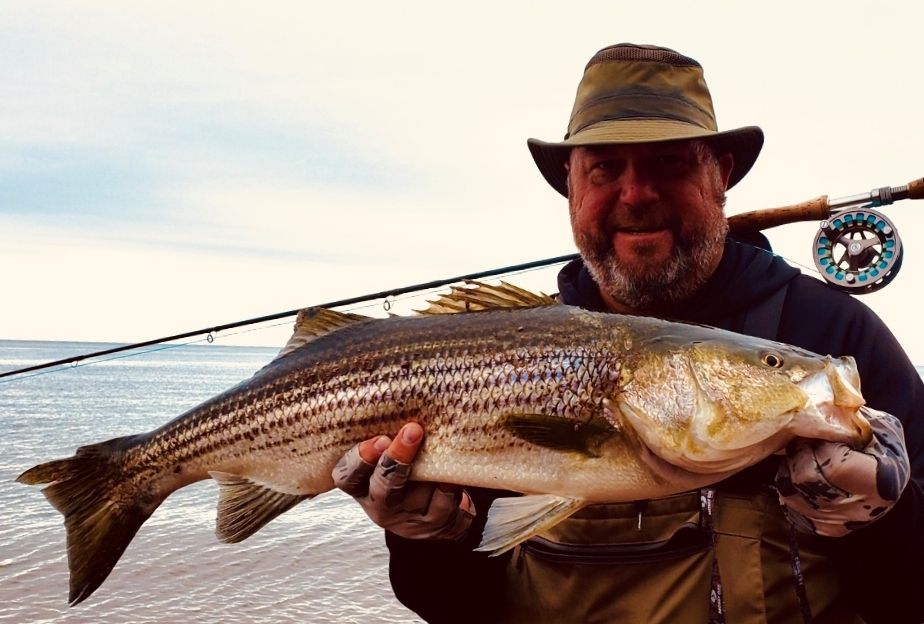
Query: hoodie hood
(745, 276)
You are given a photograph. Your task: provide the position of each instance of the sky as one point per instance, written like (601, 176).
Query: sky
(167, 166)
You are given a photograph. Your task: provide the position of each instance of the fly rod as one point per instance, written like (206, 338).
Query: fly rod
(820, 208)
(394, 292)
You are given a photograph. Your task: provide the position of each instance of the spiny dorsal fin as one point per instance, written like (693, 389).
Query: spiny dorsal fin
(314, 322)
(245, 507)
(476, 296)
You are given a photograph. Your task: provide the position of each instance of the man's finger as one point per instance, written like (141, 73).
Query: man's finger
(849, 470)
(460, 521)
(404, 447)
(371, 450)
(394, 467)
(386, 486)
(351, 474)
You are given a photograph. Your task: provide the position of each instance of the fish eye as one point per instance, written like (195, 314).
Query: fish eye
(773, 360)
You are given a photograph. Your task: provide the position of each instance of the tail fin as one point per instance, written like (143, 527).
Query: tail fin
(100, 516)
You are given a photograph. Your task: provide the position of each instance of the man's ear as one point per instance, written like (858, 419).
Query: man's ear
(567, 166)
(568, 176)
(726, 164)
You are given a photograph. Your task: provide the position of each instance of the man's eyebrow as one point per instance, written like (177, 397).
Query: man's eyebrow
(601, 151)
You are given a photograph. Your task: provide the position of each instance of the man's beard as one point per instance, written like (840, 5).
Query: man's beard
(657, 287)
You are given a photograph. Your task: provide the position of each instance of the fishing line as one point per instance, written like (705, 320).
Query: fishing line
(137, 353)
(81, 364)
(808, 269)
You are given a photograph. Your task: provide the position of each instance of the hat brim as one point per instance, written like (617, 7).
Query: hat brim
(743, 144)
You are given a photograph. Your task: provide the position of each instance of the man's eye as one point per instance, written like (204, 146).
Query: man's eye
(606, 167)
(669, 163)
(604, 171)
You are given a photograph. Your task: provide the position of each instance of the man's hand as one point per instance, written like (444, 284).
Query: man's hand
(830, 489)
(375, 472)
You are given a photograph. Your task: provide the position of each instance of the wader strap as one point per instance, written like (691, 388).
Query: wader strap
(796, 561)
(716, 599)
(763, 321)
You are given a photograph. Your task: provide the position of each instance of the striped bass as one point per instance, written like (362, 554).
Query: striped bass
(515, 392)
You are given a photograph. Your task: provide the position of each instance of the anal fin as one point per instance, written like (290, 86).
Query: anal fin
(516, 519)
(245, 507)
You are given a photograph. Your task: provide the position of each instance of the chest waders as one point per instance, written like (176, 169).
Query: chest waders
(714, 555)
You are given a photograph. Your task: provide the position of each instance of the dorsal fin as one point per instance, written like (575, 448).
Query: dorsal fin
(476, 296)
(314, 322)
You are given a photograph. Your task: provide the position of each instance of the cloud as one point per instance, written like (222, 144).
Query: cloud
(335, 148)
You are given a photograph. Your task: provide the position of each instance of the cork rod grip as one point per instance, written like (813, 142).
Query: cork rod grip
(811, 210)
(916, 189)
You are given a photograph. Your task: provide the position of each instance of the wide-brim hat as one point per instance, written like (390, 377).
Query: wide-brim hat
(643, 94)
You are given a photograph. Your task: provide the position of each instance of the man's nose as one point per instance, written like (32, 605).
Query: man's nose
(637, 188)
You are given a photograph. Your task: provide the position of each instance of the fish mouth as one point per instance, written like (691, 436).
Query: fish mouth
(832, 408)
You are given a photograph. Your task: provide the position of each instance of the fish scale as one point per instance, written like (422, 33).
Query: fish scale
(568, 406)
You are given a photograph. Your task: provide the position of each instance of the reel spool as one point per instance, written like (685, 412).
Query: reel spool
(858, 250)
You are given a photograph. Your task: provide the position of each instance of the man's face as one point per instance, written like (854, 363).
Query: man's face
(648, 219)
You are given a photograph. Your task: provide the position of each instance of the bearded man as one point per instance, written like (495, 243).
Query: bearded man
(826, 533)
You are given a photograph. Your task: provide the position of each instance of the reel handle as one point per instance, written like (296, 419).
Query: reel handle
(812, 210)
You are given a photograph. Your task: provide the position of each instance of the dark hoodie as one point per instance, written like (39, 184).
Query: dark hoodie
(882, 564)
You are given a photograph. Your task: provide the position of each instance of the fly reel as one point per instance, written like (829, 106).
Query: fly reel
(858, 250)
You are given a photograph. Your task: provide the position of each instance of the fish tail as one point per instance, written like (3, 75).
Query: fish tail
(101, 515)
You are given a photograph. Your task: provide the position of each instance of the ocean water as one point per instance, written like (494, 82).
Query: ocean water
(322, 561)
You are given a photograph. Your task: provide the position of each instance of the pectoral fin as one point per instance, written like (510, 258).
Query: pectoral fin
(516, 519)
(564, 434)
(245, 507)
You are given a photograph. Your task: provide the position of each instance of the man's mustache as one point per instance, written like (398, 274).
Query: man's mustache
(640, 220)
